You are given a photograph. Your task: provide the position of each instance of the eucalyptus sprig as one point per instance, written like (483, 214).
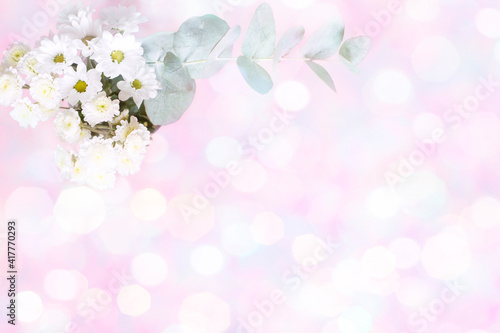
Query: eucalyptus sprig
(203, 46)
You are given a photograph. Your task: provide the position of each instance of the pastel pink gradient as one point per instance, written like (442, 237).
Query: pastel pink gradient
(417, 257)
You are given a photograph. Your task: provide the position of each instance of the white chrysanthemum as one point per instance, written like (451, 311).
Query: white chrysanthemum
(122, 116)
(11, 86)
(128, 163)
(26, 113)
(122, 19)
(98, 153)
(140, 86)
(100, 109)
(64, 162)
(72, 13)
(135, 143)
(14, 53)
(125, 128)
(117, 55)
(101, 179)
(84, 31)
(29, 65)
(79, 173)
(80, 85)
(44, 90)
(57, 54)
(67, 125)
(47, 113)
(85, 135)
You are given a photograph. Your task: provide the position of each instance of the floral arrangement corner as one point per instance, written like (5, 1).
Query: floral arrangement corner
(109, 92)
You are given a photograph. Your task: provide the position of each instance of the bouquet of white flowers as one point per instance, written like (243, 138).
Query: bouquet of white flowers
(109, 92)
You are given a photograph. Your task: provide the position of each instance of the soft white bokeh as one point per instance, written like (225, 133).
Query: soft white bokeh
(79, 210)
(148, 204)
(149, 269)
(133, 300)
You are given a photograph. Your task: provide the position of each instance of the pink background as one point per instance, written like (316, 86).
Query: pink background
(418, 257)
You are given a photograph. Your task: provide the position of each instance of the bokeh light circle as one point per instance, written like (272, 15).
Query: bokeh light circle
(79, 210)
(207, 260)
(148, 204)
(149, 269)
(435, 59)
(267, 228)
(29, 307)
(133, 300)
(446, 256)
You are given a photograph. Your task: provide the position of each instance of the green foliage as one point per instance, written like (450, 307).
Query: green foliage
(354, 50)
(176, 94)
(157, 45)
(260, 39)
(223, 49)
(256, 76)
(325, 42)
(196, 39)
(203, 45)
(290, 39)
(322, 73)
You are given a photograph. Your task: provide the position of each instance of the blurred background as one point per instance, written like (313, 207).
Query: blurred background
(374, 209)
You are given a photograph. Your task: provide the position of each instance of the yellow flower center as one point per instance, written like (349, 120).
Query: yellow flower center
(137, 84)
(59, 58)
(117, 56)
(102, 107)
(81, 86)
(87, 39)
(18, 55)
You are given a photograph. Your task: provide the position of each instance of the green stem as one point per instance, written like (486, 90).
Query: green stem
(256, 59)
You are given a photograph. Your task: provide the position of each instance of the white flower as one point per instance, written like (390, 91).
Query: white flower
(135, 143)
(67, 125)
(125, 128)
(79, 172)
(14, 53)
(127, 162)
(83, 30)
(98, 153)
(57, 54)
(44, 90)
(141, 85)
(26, 113)
(100, 109)
(71, 13)
(29, 65)
(80, 85)
(122, 116)
(64, 162)
(85, 135)
(47, 113)
(11, 86)
(122, 19)
(117, 55)
(101, 179)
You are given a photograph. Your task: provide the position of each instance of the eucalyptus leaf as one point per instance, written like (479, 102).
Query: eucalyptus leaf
(157, 45)
(195, 40)
(290, 39)
(256, 76)
(325, 42)
(349, 65)
(176, 93)
(260, 39)
(223, 49)
(355, 49)
(322, 73)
